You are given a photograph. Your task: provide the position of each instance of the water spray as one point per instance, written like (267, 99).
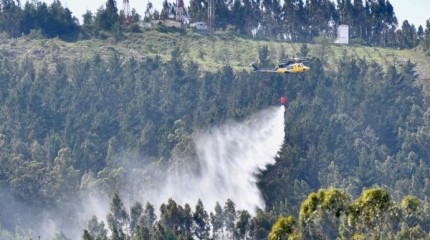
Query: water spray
(230, 157)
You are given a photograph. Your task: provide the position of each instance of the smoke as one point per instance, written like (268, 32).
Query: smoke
(230, 157)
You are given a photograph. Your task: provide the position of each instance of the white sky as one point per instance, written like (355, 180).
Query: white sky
(415, 11)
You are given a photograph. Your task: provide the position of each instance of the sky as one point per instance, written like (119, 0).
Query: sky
(415, 11)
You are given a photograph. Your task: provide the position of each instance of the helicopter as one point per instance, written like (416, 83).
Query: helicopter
(294, 65)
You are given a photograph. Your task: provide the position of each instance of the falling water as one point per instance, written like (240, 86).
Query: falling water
(230, 157)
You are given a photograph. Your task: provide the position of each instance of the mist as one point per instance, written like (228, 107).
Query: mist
(229, 158)
(224, 165)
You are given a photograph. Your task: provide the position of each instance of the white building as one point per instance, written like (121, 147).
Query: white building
(201, 26)
(342, 34)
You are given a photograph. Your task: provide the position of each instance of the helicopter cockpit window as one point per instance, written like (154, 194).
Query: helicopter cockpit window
(290, 67)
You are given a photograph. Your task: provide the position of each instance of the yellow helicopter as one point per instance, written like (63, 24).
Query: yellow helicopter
(294, 65)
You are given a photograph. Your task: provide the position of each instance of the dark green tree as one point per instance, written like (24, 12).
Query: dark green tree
(201, 221)
(370, 213)
(106, 18)
(243, 225)
(88, 18)
(283, 228)
(11, 16)
(407, 36)
(95, 229)
(198, 10)
(148, 218)
(118, 217)
(217, 221)
(230, 215)
(135, 213)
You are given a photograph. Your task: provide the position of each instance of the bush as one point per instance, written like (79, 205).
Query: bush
(135, 28)
(357, 41)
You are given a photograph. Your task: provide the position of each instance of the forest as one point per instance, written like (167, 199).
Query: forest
(354, 163)
(372, 22)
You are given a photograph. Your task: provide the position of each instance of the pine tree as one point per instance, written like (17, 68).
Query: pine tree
(148, 218)
(217, 222)
(198, 10)
(229, 214)
(135, 213)
(201, 221)
(11, 16)
(243, 225)
(118, 217)
(107, 18)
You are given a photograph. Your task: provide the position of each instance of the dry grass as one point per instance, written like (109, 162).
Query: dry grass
(211, 52)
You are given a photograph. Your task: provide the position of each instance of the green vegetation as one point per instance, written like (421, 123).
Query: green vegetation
(372, 23)
(372, 216)
(354, 163)
(352, 122)
(327, 214)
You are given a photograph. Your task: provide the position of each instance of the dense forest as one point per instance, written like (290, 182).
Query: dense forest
(354, 163)
(372, 22)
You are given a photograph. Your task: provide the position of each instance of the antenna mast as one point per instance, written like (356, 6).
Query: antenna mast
(211, 15)
(180, 11)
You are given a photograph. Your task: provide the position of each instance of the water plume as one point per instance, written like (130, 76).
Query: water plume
(230, 157)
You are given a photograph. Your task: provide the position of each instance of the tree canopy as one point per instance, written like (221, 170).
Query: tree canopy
(371, 23)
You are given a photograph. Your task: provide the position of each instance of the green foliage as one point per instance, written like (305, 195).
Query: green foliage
(371, 204)
(229, 216)
(106, 18)
(262, 224)
(118, 218)
(87, 236)
(358, 236)
(53, 20)
(299, 21)
(201, 218)
(35, 34)
(95, 230)
(410, 204)
(216, 220)
(371, 212)
(323, 51)
(135, 212)
(426, 39)
(371, 216)
(264, 55)
(321, 211)
(148, 217)
(283, 227)
(175, 222)
(178, 222)
(304, 51)
(243, 225)
(64, 122)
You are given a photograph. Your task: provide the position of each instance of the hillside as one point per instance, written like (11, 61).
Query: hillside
(211, 52)
(118, 117)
